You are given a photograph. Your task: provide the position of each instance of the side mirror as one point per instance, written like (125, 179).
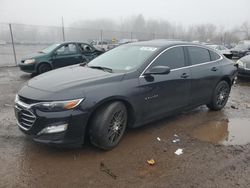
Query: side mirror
(55, 53)
(157, 70)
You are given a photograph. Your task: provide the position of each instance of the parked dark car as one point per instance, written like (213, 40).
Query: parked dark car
(241, 50)
(244, 66)
(128, 86)
(59, 55)
(222, 49)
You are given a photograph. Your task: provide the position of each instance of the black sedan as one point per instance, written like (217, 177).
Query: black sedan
(59, 55)
(128, 86)
(244, 67)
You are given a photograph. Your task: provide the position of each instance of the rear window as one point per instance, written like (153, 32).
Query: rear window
(198, 55)
(214, 56)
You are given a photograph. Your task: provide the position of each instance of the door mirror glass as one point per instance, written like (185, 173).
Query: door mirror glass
(158, 70)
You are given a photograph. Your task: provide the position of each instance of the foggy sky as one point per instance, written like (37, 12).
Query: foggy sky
(227, 13)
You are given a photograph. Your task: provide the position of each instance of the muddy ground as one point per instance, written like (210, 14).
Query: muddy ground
(216, 149)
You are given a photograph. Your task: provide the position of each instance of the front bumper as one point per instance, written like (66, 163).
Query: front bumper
(243, 72)
(29, 68)
(75, 119)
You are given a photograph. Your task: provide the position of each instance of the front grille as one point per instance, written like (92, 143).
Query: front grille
(25, 117)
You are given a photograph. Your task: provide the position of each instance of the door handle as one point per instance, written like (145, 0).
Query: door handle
(214, 69)
(184, 75)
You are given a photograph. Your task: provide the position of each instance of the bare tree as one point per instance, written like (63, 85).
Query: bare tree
(246, 29)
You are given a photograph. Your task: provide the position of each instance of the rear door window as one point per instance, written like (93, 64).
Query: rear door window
(214, 56)
(86, 48)
(173, 58)
(198, 55)
(67, 49)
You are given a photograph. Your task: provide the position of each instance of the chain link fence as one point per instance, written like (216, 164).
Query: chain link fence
(19, 40)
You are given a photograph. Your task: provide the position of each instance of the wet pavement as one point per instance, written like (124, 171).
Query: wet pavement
(226, 132)
(216, 149)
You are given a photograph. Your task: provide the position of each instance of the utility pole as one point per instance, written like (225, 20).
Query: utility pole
(101, 35)
(63, 34)
(12, 42)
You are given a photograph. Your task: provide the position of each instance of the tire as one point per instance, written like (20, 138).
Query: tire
(108, 125)
(44, 67)
(220, 96)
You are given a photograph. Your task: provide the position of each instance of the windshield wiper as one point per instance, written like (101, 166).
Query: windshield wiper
(83, 64)
(101, 68)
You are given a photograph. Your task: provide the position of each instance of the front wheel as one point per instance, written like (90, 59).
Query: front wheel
(220, 96)
(108, 125)
(44, 67)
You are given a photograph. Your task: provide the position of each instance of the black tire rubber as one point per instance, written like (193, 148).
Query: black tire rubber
(220, 96)
(44, 67)
(103, 131)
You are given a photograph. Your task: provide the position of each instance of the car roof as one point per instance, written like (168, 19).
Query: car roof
(213, 45)
(163, 43)
(68, 42)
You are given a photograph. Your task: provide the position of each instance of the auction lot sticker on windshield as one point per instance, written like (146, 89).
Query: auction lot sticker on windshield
(152, 49)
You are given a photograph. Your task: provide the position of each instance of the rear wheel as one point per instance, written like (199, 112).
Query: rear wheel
(108, 125)
(44, 67)
(220, 96)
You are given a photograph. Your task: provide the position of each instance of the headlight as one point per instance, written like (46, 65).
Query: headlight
(241, 64)
(58, 105)
(29, 61)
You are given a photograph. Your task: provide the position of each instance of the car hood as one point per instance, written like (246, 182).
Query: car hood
(34, 56)
(245, 59)
(238, 49)
(66, 83)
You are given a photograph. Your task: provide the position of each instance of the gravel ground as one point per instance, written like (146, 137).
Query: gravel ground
(215, 147)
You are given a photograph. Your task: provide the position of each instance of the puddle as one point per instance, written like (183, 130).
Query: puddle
(225, 132)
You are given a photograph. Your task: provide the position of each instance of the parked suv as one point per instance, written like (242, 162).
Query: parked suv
(59, 55)
(128, 86)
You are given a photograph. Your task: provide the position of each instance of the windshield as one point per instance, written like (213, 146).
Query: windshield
(49, 48)
(124, 58)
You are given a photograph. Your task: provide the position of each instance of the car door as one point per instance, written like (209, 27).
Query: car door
(168, 92)
(67, 54)
(205, 70)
